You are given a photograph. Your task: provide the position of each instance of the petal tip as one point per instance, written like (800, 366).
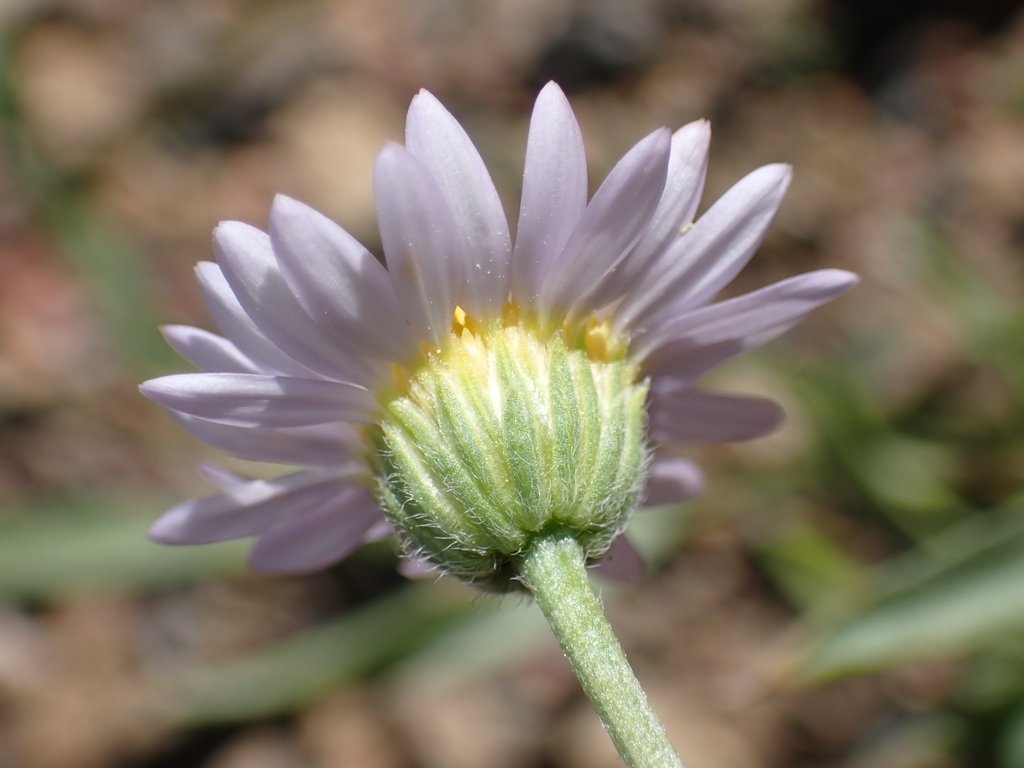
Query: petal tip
(846, 279)
(775, 419)
(388, 154)
(286, 212)
(231, 232)
(168, 529)
(833, 282)
(203, 269)
(663, 134)
(697, 132)
(151, 389)
(552, 89)
(172, 330)
(424, 100)
(654, 149)
(283, 202)
(622, 562)
(225, 228)
(784, 171)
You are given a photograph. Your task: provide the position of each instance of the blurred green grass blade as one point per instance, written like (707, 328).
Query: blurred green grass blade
(498, 634)
(905, 477)
(428, 634)
(280, 679)
(987, 313)
(966, 592)
(659, 532)
(88, 547)
(906, 473)
(114, 275)
(1011, 742)
(809, 567)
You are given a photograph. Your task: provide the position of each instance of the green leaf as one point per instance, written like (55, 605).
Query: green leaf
(659, 532)
(499, 633)
(808, 566)
(954, 596)
(906, 478)
(1011, 742)
(286, 676)
(93, 545)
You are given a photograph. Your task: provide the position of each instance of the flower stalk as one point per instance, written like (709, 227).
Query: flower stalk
(554, 571)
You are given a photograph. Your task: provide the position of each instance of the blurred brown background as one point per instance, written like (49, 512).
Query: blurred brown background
(846, 593)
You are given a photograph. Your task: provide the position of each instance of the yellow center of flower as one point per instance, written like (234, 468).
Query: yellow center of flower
(460, 321)
(595, 336)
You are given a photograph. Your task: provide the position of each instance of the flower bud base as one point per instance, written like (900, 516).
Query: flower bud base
(502, 437)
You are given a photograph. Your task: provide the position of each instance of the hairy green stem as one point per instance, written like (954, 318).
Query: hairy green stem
(554, 570)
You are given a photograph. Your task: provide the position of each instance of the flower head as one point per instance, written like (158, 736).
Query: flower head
(477, 391)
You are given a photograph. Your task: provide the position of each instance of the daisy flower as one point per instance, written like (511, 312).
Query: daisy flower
(480, 389)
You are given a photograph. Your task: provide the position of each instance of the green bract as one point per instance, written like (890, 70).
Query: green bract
(502, 437)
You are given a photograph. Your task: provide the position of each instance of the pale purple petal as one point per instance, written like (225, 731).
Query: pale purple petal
(672, 480)
(207, 351)
(687, 168)
(317, 537)
(621, 562)
(316, 445)
(264, 401)
(337, 281)
(708, 256)
(683, 366)
(221, 477)
(420, 242)
(685, 346)
(437, 140)
(380, 530)
(687, 415)
(247, 509)
(684, 184)
(610, 226)
(554, 192)
(417, 568)
(247, 260)
(239, 328)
